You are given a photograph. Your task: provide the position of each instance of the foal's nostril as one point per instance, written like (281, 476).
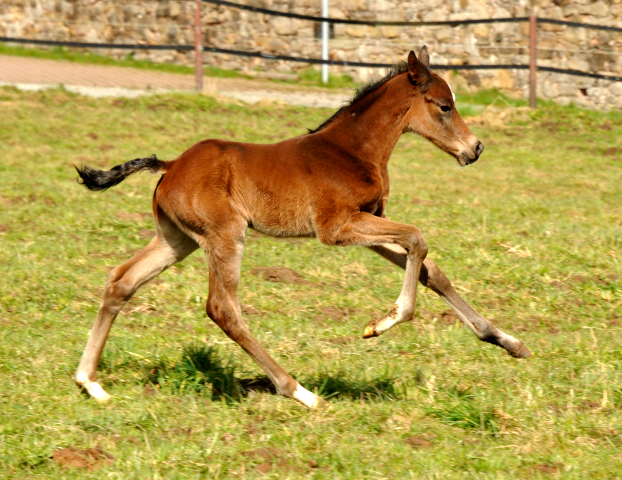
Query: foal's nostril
(479, 149)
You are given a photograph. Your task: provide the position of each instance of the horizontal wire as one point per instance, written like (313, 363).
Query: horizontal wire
(432, 45)
(315, 61)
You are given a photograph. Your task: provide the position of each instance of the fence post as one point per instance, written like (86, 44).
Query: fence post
(325, 35)
(198, 47)
(533, 67)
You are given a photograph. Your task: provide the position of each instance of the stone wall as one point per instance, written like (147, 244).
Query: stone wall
(171, 22)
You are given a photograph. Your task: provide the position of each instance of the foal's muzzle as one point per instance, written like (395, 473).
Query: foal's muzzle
(477, 152)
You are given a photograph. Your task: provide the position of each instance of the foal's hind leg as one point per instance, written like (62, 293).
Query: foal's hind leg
(224, 251)
(169, 247)
(432, 277)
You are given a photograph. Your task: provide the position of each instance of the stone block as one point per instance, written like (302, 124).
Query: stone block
(357, 31)
(436, 15)
(336, 13)
(285, 26)
(390, 32)
(597, 9)
(481, 30)
(352, 6)
(616, 89)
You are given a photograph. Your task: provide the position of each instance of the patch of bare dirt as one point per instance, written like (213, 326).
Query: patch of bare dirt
(3, 228)
(181, 431)
(331, 312)
(252, 428)
(580, 279)
(448, 317)
(559, 285)
(335, 313)
(280, 274)
(272, 457)
(129, 309)
(133, 217)
(150, 391)
(146, 234)
(587, 406)
(89, 459)
(342, 340)
(533, 323)
(547, 469)
(418, 443)
(425, 203)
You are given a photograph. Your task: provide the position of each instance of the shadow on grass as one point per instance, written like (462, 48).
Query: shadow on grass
(343, 386)
(202, 371)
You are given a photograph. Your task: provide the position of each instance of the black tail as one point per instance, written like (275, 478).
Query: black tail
(98, 180)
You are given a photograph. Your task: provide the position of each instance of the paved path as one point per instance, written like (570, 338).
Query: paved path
(99, 81)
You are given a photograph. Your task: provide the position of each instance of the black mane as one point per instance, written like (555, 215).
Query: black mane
(397, 69)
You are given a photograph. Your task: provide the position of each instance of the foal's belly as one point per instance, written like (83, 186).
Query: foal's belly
(282, 221)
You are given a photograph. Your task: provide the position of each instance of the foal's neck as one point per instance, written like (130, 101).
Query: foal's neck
(371, 127)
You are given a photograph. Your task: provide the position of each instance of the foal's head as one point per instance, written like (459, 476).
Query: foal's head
(433, 113)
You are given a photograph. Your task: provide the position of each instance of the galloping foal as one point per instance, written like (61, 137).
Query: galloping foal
(331, 183)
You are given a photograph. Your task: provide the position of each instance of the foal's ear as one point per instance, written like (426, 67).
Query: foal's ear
(418, 72)
(424, 56)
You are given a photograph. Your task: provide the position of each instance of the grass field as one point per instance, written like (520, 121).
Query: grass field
(531, 235)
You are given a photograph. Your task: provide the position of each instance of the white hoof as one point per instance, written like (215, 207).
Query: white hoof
(95, 390)
(308, 399)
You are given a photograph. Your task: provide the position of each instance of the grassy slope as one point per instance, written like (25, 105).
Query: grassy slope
(531, 235)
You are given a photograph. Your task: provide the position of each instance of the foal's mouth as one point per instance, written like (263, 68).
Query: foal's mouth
(465, 159)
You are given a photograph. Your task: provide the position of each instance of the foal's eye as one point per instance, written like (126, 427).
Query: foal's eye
(446, 108)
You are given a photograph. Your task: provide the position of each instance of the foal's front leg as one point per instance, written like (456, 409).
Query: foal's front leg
(224, 252)
(369, 230)
(432, 277)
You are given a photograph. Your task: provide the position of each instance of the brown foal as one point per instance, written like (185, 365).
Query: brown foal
(331, 183)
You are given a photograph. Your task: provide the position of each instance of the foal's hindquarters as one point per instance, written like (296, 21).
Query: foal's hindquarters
(213, 224)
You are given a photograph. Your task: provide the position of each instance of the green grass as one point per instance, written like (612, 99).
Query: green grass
(531, 236)
(312, 76)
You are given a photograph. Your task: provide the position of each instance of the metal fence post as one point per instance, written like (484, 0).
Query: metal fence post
(198, 47)
(533, 67)
(325, 34)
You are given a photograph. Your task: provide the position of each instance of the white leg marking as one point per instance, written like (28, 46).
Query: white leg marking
(94, 389)
(399, 314)
(305, 397)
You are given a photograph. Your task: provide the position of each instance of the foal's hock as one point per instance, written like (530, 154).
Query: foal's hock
(331, 183)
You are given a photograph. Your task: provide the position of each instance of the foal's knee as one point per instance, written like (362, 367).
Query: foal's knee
(117, 290)
(415, 243)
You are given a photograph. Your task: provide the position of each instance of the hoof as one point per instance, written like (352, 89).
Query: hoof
(521, 352)
(95, 391)
(370, 331)
(308, 399)
(377, 327)
(321, 404)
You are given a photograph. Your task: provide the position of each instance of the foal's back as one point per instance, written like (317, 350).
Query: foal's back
(279, 189)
